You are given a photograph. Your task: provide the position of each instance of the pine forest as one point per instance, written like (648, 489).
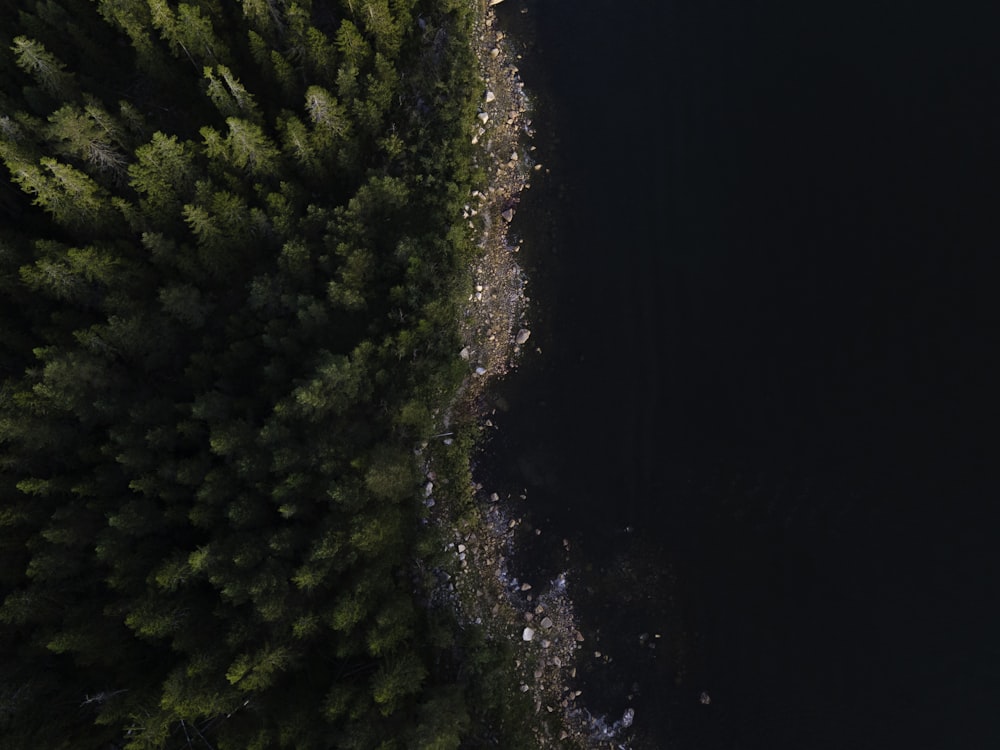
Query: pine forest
(232, 264)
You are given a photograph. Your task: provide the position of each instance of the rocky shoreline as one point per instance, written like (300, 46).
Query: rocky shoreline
(536, 616)
(492, 324)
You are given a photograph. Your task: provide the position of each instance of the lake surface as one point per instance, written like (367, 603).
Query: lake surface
(764, 273)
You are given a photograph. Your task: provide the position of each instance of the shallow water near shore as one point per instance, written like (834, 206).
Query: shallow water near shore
(762, 278)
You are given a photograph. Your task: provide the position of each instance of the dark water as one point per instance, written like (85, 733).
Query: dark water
(765, 271)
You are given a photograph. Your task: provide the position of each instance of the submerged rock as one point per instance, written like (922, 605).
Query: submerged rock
(522, 336)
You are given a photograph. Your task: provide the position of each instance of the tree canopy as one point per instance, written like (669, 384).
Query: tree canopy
(229, 279)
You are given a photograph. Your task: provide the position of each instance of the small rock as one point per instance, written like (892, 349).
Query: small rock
(464, 354)
(428, 489)
(462, 548)
(494, 497)
(525, 587)
(483, 117)
(495, 52)
(490, 96)
(522, 336)
(546, 622)
(495, 2)
(528, 634)
(546, 644)
(480, 371)
(508, 215)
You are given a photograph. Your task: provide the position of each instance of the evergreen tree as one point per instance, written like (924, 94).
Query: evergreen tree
(227, 235)
(47, 70)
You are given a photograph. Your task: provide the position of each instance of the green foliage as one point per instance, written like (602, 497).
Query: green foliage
(399, 677)
(229, 292)
(47, 70)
